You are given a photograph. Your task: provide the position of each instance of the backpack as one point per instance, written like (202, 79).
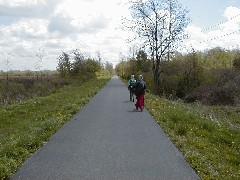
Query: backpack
(140, 87)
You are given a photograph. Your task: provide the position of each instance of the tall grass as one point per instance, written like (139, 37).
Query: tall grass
(26, 126)
(19, 88)
(212, 148)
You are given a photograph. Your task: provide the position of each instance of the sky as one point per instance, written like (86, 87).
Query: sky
(33, 33)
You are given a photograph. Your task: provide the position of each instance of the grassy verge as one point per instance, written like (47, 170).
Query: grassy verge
(209, 138)
(25, 127)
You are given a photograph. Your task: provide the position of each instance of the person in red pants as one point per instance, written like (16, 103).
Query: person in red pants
(140, 91)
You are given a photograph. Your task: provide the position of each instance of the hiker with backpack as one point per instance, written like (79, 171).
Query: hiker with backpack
(139, 92)
(131, 87)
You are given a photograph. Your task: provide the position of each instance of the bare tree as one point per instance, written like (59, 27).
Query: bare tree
(160, 25)
(122, 62)
(109, 67)
(7, 64)
(99, 58)
(40, 54)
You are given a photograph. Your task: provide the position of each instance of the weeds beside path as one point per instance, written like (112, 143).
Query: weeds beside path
(25, 127)
(209, 144)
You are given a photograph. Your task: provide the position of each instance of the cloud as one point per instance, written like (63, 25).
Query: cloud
(232, 13)
(226, 34)
(28, 8)
(233, 19)
(93, 25)
(61, 24)
(26, 29)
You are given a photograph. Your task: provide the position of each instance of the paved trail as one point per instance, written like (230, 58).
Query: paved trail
(108, 140)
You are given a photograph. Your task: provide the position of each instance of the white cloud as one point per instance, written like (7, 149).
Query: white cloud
(16, 3)
(61, 25)
(225, 34)
(231, 12)
(94, 25)
(27, 8)
(29, 29)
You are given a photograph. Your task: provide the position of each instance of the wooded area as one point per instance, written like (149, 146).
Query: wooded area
(212, 77)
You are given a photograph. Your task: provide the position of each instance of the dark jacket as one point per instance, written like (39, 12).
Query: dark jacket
(140, 87)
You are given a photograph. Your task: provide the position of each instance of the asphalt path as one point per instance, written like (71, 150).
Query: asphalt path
(108, 139)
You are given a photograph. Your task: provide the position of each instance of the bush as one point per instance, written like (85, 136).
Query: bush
(213, 95)
(193, 97)
(236, 63)
(12, 92)
(221, 88)
(19, 89)
(223, 96)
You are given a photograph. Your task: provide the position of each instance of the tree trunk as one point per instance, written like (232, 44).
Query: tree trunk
(156, 75)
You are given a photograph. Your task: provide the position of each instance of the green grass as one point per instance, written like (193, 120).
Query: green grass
(208, 137)
(25, 127)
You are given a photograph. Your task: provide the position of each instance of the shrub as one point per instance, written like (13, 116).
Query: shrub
(236, 63)
(12, 92)
(17, 89)
(181, 131)
(223, 89)
(213, 95)
(222, 96)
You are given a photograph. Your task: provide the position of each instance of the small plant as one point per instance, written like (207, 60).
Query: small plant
(181, 131)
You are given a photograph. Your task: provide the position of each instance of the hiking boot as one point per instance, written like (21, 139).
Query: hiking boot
(136, 107)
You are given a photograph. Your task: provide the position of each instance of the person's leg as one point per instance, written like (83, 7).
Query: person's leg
(140, 101)
(143, 101)
(137, 102)
(132, 96)
(130, 92)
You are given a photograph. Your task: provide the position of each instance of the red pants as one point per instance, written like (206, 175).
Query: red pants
(139, 103)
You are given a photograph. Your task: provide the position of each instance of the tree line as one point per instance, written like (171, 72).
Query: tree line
(212, 76)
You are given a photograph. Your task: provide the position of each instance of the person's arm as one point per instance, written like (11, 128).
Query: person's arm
(134, 83)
